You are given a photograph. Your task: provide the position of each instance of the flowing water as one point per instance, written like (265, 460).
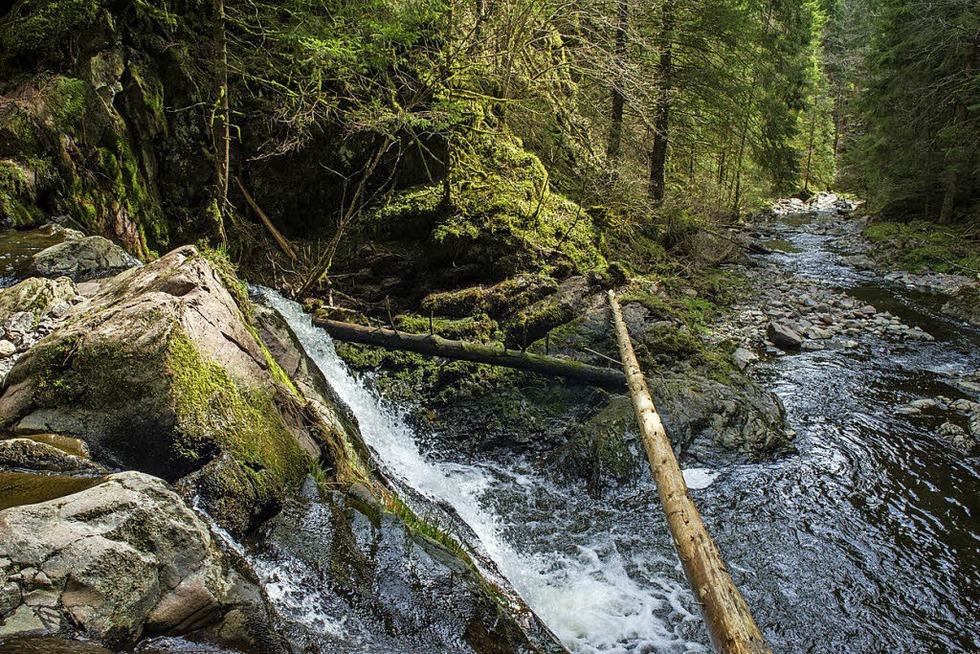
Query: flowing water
(866, 541)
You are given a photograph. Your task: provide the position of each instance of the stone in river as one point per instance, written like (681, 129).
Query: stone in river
(783, 337)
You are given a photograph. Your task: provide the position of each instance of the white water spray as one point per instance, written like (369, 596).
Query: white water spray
(589, 598)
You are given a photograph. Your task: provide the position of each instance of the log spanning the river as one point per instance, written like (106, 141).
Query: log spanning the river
(730, 624)
(434, 345)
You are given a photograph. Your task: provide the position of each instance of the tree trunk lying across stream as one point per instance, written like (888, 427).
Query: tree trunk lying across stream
(435, 345)
(730, 624)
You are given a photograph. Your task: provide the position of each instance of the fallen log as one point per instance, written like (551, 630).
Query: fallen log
(280, 239)
(434, 345)
(730, 624)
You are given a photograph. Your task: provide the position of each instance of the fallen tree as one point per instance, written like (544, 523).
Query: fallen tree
(435, 345)
(730, 624)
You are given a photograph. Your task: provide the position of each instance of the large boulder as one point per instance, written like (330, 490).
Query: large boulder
(159, 370)
(116, 561)
(83, 258)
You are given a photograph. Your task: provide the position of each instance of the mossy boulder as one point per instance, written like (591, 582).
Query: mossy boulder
(36, 295)
(82, 258)
(159, 370)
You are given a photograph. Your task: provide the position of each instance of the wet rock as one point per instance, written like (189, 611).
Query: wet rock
(85, 258)
(35, 455)
(860, 261)
(964, 405)
(117, 560)
(925, 403)
(406, 589)
(783, 336)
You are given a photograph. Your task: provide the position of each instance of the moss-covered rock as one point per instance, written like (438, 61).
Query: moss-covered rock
(160, 371)
(36, 295)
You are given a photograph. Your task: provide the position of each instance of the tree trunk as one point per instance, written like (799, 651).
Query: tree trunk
(726, 615)
(960, 114)
(390, 339)
(614, 147)
(222, 159)
(658, 158)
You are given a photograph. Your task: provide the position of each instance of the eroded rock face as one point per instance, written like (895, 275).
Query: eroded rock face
(158, 371)
(113, 562)
(83, 258)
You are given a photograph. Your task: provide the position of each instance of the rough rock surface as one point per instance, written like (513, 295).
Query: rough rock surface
(83, 258)
(158, 370)
(783, 336)
(965, 304)
(113, 562)
(31, 454)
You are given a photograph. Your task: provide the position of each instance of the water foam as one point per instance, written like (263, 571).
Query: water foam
(591, 598)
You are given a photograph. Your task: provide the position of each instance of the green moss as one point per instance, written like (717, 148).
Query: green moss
(212, 410)
(16, 197)
(921, 246)
(475, 328)
(38, 26)
(534, 322)
(502, 214)
(65, 99)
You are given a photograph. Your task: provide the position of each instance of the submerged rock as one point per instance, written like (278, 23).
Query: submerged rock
(118, 560)
(32, 454)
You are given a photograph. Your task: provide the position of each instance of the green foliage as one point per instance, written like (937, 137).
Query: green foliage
(35, 27)
(917, 153)
(65, 98)
(16, 197)
(922, 246)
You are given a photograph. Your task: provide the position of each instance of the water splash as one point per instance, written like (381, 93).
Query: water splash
(596, 599)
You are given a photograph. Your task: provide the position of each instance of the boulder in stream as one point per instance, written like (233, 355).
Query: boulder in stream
(783, 336)
(83, 258)
(123, 558)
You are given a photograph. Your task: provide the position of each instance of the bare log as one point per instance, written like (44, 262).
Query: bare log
(434, 345)
(730, 624)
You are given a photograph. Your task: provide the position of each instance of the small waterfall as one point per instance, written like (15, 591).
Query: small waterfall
(595, 597)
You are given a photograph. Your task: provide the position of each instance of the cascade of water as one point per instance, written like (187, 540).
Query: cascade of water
(595, 598)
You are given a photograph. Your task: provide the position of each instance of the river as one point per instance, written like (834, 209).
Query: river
(866, 540)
